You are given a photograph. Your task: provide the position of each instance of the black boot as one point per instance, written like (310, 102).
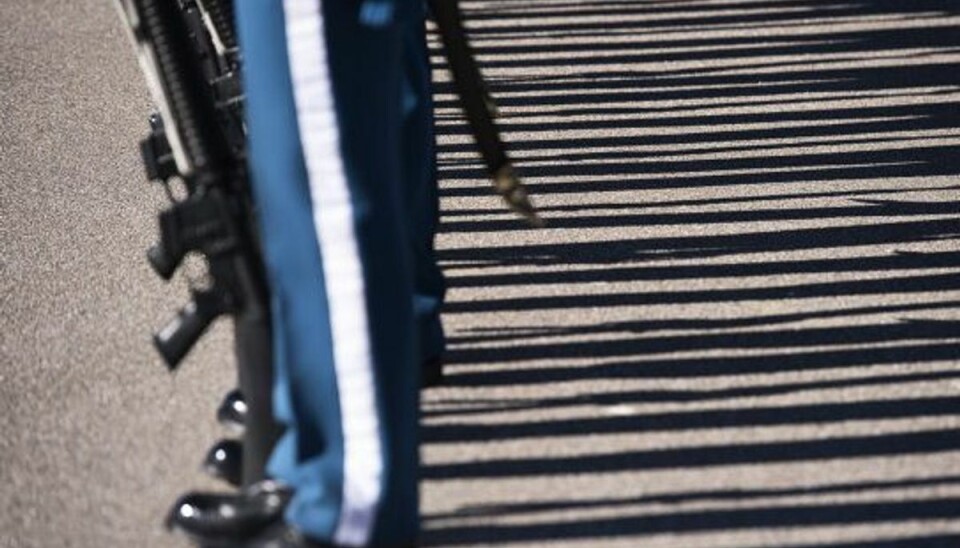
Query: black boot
(217, 519)
(250, 519)
(232, 412)
(225, 461)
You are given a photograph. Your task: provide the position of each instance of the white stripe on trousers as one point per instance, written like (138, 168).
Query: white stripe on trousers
(334, 223)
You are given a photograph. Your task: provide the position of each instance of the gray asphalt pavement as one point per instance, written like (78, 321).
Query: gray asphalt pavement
(740, 329)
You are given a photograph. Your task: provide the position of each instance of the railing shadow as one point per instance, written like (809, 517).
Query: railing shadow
(828, 126)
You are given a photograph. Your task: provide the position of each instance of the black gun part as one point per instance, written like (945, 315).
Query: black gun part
(197, 138)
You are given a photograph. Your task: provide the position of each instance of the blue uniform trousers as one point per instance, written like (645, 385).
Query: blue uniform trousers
(342, 163)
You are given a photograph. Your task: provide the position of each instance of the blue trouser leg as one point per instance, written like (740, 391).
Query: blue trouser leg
(324, 120)
(420, 187)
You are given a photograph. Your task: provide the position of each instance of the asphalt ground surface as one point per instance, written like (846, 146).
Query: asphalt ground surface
(739, 330)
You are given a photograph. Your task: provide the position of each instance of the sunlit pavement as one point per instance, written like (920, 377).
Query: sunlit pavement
(741, 327)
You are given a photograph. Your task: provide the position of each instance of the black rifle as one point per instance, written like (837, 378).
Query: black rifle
(190, 64)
